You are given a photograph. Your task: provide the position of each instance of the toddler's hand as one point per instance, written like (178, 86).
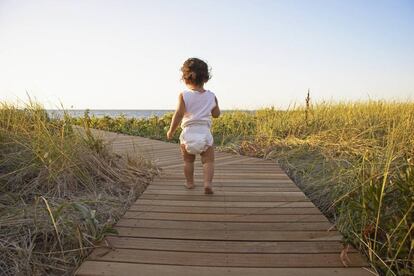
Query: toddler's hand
(169, 135)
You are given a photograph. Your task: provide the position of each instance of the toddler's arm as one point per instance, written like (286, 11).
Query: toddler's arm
(177, 117)
(215, 112)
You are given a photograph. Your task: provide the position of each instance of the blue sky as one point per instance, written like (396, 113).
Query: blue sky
(127, 54)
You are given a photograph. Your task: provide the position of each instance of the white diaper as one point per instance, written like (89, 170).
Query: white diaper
(196, 138)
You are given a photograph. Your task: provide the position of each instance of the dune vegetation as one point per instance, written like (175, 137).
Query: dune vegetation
(355, 160)
(60, 191)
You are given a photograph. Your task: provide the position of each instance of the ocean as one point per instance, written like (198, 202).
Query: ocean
(128, 113)
(138, 113)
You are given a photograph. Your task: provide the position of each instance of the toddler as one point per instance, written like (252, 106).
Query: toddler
(194, 110)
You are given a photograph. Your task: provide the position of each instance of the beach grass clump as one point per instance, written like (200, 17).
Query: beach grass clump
(354, 160)
(153, 127)
(61, 191)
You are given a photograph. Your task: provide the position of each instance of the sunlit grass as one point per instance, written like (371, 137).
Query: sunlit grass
(60, 192)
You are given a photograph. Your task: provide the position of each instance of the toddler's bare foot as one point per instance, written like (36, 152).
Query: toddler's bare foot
(189, 186)
(208, 191)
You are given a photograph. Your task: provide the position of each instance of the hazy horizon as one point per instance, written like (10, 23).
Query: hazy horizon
(126, 55)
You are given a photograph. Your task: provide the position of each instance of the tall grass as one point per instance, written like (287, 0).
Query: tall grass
(60, 191)
(353, 159)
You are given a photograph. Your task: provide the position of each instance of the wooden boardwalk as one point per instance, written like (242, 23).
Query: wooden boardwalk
(258, 222)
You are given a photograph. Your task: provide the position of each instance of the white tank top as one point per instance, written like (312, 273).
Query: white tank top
(198, 106)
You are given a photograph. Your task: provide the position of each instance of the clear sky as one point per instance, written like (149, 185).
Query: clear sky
(127, 54)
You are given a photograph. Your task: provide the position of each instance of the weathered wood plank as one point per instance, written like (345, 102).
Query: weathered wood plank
(95, 268)
(230, 226)
(225, 193)
(224, 259)
(222, 198)
(222, 183)
(238, 235)
(217, 178)
(220, 188)
(225, 246)
(228, 210)
(226, 217)
(163, 202)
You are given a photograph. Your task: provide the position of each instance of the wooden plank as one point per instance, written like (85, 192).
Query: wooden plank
(95, 268)
(229, 226)
(218, 176)
(227, 235)
(225, 246)
(222, 210)
(234, 176)
(285, 197)
(282, 204)
(221, 192)
(287, 188)
(224, 259)
(223, 170)
(224, 184)
(248, 169)
(229, 182)
(226, 217)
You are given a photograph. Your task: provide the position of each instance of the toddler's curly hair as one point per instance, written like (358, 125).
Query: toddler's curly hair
(195, 71)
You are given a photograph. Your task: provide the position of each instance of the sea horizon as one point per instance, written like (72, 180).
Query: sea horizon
(128, 113)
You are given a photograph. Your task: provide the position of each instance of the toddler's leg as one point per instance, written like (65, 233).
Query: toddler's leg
(188, 167)
(189, 173)
(207, 158)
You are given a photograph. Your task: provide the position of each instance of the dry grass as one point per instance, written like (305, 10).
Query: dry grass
(355, 162)
(60, 192)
